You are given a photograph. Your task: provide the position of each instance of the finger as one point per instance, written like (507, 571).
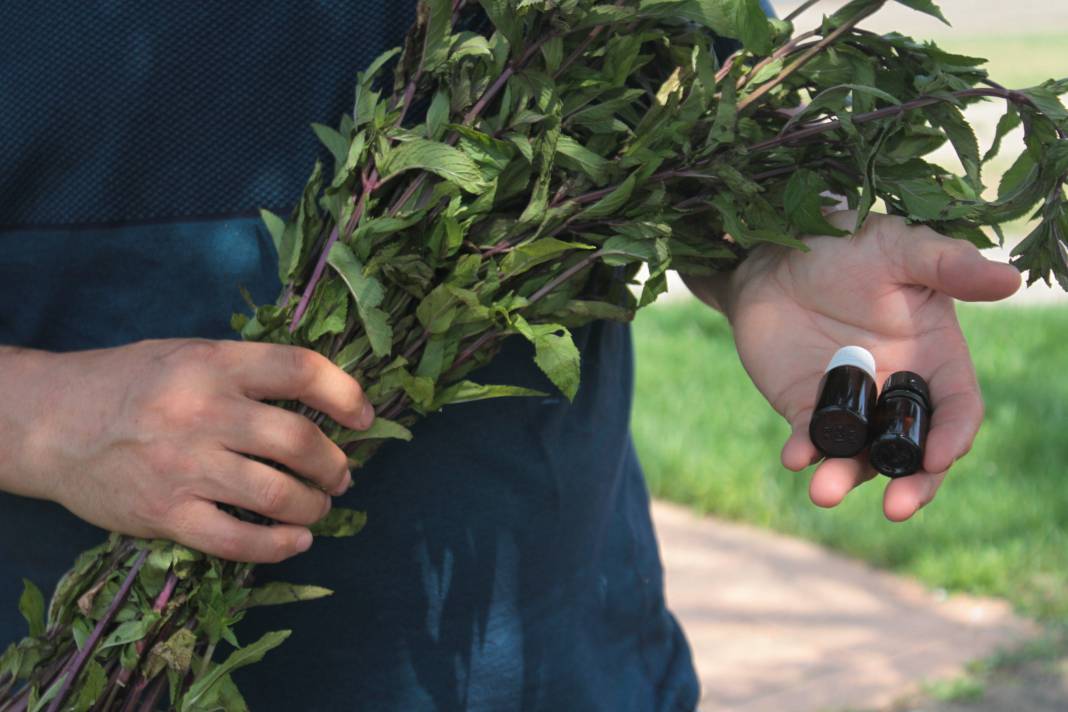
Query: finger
(293, 373)
(954, 267)
(290, 439)
(907, 495)
(262, 489)
(799, 452)
(836, 477)
(201, 525)
(957, 414)
(954, 424)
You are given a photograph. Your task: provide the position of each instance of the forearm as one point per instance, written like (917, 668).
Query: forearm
(23, 381)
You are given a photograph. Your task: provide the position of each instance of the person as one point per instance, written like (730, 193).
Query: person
(509, 562)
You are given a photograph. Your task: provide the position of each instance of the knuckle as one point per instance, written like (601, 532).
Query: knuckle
(278, 547)
(156, 509)
(339, 465)
(304, 365)
(193, 354)
(302, 438)
(184, 411)
(230, 546)
(180, 524)
(164, 460)
(274, 496)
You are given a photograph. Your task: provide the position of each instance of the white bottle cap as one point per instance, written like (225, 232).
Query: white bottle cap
(856, 356)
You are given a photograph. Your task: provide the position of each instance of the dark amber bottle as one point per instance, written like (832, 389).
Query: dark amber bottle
(841, 422)
(899, 431)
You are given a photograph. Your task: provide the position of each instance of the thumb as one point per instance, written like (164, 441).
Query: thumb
(951, 266)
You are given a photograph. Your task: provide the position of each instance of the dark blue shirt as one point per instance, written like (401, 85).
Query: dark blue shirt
(509, 562)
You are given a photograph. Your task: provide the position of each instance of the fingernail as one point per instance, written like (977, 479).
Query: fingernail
(345, 485)
(304, 541)
(367, 417)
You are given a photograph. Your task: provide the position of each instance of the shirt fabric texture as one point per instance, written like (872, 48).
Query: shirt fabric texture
(509, 562)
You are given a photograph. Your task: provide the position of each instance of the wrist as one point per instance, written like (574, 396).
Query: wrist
(24, 378)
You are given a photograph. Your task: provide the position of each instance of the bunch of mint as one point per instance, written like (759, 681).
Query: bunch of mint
(530, 157)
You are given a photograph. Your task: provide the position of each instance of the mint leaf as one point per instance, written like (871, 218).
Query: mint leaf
(445, 161)
(277, 593)
(32, 608)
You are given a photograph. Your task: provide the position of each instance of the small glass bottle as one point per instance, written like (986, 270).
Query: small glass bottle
(841, 422)
(899, 431)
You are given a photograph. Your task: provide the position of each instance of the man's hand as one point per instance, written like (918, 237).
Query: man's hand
(890, 289)
(144, 439)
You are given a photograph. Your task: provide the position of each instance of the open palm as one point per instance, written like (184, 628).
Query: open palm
(889, 288)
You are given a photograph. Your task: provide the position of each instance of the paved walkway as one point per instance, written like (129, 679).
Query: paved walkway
(782, 625)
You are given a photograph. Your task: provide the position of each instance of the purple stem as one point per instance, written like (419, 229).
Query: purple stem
(320, 266)
(75, 669)
(154, 693)
(165, 595)
(317, 274)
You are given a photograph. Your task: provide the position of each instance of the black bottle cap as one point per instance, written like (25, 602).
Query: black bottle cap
(907, 382)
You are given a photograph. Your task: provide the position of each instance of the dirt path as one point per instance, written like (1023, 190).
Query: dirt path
(778, 624)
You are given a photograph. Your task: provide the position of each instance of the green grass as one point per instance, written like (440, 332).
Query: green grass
(1000, 523)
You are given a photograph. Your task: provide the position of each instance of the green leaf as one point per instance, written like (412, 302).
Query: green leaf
(437, 116)
(276, 226)
(239, 658)
(340, 523)
(379, 332)
(925, 6)
(32, 608)
(277, 593)
(469, 391)
(443, 160)
(578, 312)
(1006, 124)
(437, 310)
(366, 101)
(438, 32)
(952, 122)
(524, 257)
(38, 704)
(381, 429)
(1015, 180)
(92, 684)
(492, 154)
(555, 353)
(502, 14)
(329, 310)
(469, 44)
(130, 631)
(368, 293)
(611, 203)
(1046, 99)
(739, 19)
(924, 199)
(334, 142)
(751, 24)
(575, 156)
(803, 206)
(291, 246)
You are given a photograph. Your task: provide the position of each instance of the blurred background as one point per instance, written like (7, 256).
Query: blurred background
(999, 527)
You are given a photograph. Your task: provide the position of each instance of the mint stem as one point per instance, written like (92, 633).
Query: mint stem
(75, 668)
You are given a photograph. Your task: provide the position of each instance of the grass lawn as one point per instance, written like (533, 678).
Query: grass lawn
(1015, 60)
(1000, 524)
